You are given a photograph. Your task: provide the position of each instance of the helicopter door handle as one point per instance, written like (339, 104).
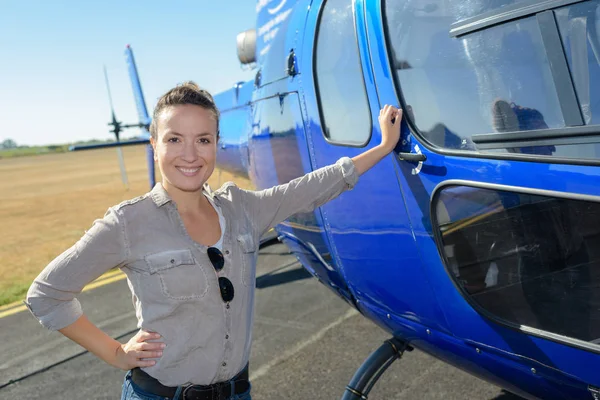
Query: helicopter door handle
(412, 157)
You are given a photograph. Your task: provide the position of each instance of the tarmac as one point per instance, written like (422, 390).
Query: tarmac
(307, 345)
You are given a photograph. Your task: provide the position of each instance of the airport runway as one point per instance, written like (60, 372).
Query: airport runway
(307, 345)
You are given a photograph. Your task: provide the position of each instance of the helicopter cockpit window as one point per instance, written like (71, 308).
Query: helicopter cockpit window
(341, 92)
(525, 260)
(579, 26)
(500, 80)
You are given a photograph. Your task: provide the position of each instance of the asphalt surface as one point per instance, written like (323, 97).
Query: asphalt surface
(307, 345)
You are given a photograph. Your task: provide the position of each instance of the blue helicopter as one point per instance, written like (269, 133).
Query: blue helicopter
(477, 240)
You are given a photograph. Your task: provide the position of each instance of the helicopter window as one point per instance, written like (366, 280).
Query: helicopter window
(499, 89)
(579, 27)
(522, 259)
(341, 92)
(499, 77)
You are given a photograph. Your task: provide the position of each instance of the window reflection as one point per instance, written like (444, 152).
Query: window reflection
(455, 85)
(341, 88)
(512, 118)
(527, 259)
(579, 29)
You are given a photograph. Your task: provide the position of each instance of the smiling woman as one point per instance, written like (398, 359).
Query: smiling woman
(186, 148)
(190, 258)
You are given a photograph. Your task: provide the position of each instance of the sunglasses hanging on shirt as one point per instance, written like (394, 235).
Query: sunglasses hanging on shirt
(225, 285)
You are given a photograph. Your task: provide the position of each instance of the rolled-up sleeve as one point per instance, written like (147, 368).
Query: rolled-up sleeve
(271, 206)
(51, 297)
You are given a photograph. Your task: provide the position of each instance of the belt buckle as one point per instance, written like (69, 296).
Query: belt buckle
(214, 390)
(184, 393)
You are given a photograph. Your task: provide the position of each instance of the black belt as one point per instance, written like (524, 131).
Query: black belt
(216, 391)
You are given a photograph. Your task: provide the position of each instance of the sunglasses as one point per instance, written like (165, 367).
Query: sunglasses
(218, 261)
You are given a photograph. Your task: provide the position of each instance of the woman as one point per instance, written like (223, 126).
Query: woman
(190, 257)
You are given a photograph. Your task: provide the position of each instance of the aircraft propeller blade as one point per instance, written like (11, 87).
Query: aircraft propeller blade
(112, 109)
(122, 167)
(117, 128)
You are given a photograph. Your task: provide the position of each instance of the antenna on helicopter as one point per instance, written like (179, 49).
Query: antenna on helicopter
(116, 125)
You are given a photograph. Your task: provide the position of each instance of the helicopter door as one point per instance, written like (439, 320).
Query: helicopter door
(368, 227)
(505, 205)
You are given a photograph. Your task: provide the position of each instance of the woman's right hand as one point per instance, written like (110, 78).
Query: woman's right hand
(138, 351)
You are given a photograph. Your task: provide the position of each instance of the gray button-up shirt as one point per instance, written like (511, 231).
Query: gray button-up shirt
(173, 283)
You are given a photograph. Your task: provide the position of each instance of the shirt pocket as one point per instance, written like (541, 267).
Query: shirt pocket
(181, 278)
(248, 254)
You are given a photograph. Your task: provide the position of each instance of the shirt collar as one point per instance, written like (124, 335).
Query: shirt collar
(161, 197)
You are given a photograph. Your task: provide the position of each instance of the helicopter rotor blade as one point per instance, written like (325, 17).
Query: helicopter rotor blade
(122, 168)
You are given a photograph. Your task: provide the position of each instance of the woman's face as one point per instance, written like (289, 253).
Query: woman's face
(185, 146)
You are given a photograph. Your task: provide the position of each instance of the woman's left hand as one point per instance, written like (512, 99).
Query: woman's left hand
(390, 119)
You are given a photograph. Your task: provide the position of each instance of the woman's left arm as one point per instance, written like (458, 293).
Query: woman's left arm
(269, 207)
(389, 120)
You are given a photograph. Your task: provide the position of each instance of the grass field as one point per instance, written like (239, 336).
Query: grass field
(32, 151)
(49, 201)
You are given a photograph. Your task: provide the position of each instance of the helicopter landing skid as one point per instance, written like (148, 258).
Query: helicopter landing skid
(373, 367)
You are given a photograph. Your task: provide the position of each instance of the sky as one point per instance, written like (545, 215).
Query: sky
(52, 53)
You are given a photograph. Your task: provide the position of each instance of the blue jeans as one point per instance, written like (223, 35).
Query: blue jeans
(131, 391)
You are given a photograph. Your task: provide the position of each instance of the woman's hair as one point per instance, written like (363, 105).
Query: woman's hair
(185, 93)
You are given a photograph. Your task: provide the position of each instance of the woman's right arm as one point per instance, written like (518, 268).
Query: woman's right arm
(52, 295)
(138, 352)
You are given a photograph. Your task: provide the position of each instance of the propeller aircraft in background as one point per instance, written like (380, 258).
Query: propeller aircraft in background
(478, 239)
(117, 126)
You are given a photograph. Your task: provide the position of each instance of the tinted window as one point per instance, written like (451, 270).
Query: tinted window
(341, 90)
(526, 259)
(494, 80)
(579, 29)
